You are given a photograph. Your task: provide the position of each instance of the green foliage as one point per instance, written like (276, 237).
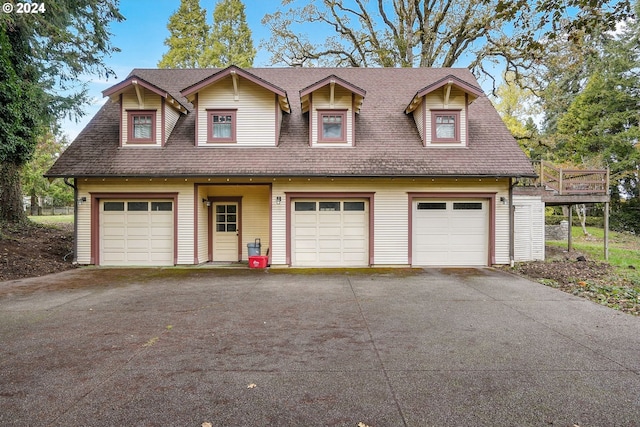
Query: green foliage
(41, 57)
(625, 216)
(517, 107)
(188, 37)
(23, 103)
(68, 40)
(592, 221)
(35, 184)
(230, 41)
(193, 44)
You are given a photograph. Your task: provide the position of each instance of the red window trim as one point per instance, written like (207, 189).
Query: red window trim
(131, 139)
(343, 114)
(434, 137)
(210, 114)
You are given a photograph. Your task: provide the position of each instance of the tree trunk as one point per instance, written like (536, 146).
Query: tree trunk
(583, 218)
(34, 204)
(11, 208)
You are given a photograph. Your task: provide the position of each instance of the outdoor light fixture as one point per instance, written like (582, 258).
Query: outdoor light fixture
(278, 200)
(206, 202)
(82, 200)
(503, 200)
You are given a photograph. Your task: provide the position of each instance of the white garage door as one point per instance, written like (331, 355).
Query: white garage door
(136, 232)
(450, 232)
(330, 233)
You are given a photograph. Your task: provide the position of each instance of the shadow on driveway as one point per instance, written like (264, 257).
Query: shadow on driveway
(441, 347)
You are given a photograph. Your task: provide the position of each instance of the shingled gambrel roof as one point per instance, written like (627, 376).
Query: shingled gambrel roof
(387, 140)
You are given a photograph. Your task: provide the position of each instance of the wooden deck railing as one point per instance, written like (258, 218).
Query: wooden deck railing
(572, 181)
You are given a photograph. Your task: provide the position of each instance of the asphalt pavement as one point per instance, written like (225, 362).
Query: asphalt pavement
(433, 347)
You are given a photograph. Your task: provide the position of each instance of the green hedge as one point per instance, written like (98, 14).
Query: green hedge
(592, 221)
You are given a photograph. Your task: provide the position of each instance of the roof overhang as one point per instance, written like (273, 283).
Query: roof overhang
(331, 81)
(235, 73)
(138, 84)
(445, 84)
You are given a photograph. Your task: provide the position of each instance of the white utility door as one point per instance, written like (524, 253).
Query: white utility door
(450, 233)
(330, 233)
(136, 232)
(523, 233)
(225, 231)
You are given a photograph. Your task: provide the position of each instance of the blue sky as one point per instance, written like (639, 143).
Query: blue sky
(141, 41)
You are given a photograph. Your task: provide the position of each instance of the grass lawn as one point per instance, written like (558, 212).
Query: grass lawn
(624, 249)
(52, 219)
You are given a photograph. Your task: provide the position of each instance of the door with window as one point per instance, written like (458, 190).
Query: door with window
(225, 231)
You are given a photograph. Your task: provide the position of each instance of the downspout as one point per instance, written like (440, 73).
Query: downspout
(75, 218)
(512, 209)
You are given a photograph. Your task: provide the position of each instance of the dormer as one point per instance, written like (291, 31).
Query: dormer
(236, 108)
(440, 111)
(148, 113)
(332, 105)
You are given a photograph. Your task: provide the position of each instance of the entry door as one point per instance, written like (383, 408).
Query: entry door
(225, 231)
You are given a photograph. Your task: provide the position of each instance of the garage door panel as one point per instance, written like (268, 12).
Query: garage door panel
(326, 231)
(354, 232)
(329, 244)
(329, 217)
(113, 244)
(335, 234)
(136, 237)
(353, 245)
(113, 232)
(306, 218)
(330, 258)
(112, 258)
(450, 233)
(136, 231)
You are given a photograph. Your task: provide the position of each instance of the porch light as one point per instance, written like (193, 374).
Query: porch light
(503, 200)
(206, 202)
(278, 200)
(82, 200)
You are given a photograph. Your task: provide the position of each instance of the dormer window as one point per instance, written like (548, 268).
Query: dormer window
(332, 104)
(332, 126)
(222, 126)
(142, 126)
(445, 126)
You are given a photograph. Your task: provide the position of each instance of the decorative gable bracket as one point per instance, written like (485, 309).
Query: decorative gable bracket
(236, 72)
(445, 85)
(138, 84)
(331, 81)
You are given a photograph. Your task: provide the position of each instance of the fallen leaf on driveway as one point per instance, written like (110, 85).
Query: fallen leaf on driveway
(207, 425)
(361, 424)
(252, 385)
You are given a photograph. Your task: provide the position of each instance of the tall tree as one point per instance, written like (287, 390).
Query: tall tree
(230, 41)
(41, 57)
(602, 125)
(429, 33)
(517, 107)
(188, 37)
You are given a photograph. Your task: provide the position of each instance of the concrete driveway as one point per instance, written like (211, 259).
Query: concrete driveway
(437, 347)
